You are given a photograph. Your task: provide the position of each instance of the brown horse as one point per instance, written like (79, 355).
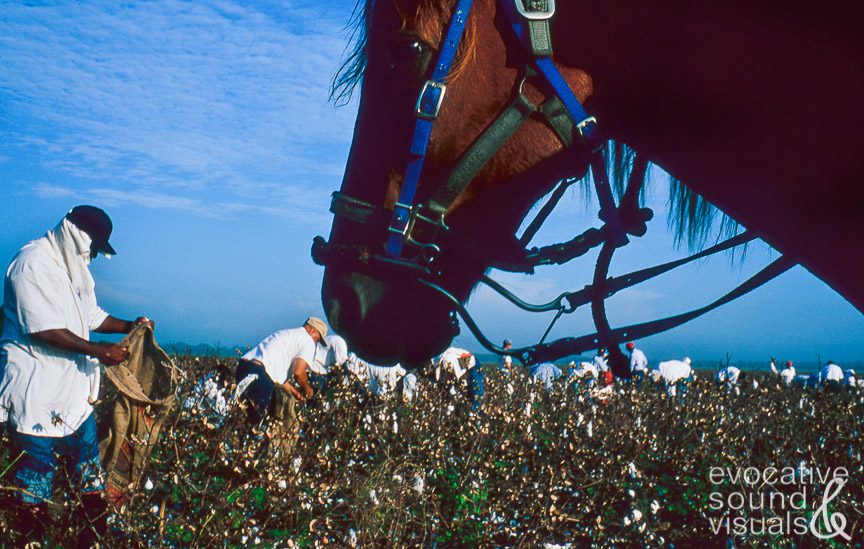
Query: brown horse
(756, 106)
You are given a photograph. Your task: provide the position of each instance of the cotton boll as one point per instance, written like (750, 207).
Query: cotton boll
(148, 485)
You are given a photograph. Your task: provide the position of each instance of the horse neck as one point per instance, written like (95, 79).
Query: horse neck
(749, 103)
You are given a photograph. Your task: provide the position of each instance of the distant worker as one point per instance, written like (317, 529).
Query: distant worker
(850, 379)
(831, 376)
(601, 360)
(638, 363)
(48, 378)
(280, 359)
(506, 365)
(545, 373)
(457, 362)
(327, 359)
(672, 374)
(788, 374)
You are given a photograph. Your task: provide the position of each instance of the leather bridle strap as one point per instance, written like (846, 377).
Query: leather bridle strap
(575, 346)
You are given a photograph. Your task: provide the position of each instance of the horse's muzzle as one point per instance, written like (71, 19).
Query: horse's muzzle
(386, 319)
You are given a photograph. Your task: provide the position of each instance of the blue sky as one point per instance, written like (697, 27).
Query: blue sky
(204, 130)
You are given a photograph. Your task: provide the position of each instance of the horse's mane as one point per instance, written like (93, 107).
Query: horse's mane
(691, 216)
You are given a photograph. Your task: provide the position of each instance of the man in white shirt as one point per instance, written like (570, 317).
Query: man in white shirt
(787, 374)
(49, 368)
(458, 362)
(506, 365)
(672, 374)
(545, 373)
(327, 359)
(638, 363)
(831, 376)
(279, 360)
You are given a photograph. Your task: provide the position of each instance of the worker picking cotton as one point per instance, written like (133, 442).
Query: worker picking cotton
(457, 362)
(831, 376)
(673, 373)
(638, 363)
(787, 374)
(545, 373)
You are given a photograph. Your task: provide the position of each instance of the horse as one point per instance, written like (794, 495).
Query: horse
(754, 106)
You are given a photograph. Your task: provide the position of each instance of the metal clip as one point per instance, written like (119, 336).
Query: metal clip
(535, 15)
(430, 100)
(585, 129)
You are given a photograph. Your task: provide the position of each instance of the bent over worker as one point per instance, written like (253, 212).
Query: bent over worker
(48, 382)
(280, 359)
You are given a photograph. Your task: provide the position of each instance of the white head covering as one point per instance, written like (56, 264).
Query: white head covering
(70, 248)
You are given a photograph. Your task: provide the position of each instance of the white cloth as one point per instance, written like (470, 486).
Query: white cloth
(584, 369)
(638, 361)
(456, 361)
(672, 371)
(545, 373)
(601, 362)
(728, 374)
(383, 380)
(506, 362)
(45, 391)
(334, 355)
(831, 372)
(278, 351)
(787, 375)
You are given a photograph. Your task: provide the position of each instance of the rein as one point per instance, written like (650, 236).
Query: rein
(415, 231)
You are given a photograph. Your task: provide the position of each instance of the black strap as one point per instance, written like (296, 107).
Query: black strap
(574, 346)
(484, 147)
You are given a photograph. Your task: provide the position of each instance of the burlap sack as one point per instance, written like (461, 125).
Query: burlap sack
(283, 425)
(146, 382)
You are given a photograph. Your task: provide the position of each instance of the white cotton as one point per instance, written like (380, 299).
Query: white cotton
(148, 485)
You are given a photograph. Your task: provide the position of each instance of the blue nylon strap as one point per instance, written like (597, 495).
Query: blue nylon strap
(397, 236)
(585, 124)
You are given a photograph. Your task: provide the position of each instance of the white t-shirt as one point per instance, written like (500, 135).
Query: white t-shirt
(672, 371)
(832, 372)
(449, 362)
(638, 361)
(45, 391)
(335, 354)
(278, 351)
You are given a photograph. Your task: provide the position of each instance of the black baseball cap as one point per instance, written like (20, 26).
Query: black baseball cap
(96, 223)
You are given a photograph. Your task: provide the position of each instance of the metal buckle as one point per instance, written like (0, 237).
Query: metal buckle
(535, 15)
(584, 129)
(403, 221)
(430, 99)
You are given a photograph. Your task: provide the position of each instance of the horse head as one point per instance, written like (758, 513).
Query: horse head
(383, 310)
(688, 88)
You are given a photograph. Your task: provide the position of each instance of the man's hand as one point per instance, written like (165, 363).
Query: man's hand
(291, 390)
(144, 320)
(110, 354)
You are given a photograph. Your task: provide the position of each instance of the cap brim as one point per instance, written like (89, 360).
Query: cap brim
(108, 249)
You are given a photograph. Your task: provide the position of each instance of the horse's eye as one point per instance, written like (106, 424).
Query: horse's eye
(409, 59)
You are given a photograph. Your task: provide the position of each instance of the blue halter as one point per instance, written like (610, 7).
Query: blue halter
(432, 97)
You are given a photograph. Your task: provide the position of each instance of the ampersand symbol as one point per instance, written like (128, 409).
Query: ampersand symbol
(835, 523)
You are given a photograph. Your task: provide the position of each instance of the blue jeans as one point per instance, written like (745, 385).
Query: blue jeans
(258, 394)
(36, 468)
(476, 389)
